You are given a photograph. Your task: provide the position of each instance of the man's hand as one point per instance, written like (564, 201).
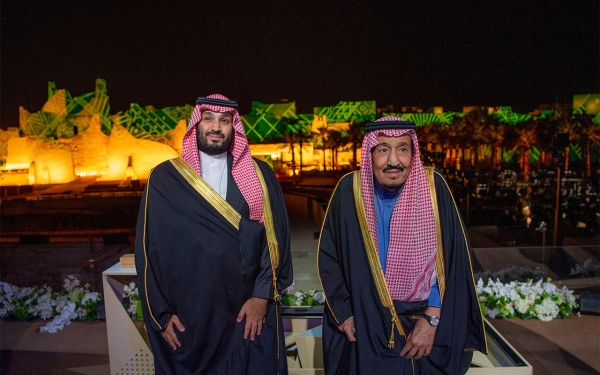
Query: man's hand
(346, 327)
(420, 340)
(169, 333)
(255, 310)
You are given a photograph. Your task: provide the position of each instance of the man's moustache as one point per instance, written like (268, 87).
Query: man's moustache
(215, 133)
(398, 168)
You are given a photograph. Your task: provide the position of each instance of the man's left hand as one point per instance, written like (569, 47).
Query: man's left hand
(254, 310)
(420, 341)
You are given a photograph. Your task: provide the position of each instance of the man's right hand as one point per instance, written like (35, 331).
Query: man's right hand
(169, 333)
(346, 327)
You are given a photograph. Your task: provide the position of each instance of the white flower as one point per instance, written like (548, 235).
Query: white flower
(60, 303)
(32, 310)
(60, 321)
(521, 306)
(509, 307)
(3, 312)
(132, 307)
(70, 283)
(550, 288)
(492, 313)
(46, 313)
(81, 312)
(319, 297)
(23, 292)
(567, 295)
(538, 287)
(7, 288)
(130, 289)
(90, 296)
(479, 285)
(546, 311)
(531, 297)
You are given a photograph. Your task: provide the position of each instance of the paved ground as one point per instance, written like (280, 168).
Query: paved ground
(558, 347)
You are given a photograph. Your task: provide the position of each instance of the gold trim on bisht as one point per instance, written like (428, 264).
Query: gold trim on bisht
(234, 217)
(230, 213)
(270, 230)
(146, 252)
(272, 243)
(319, 250)
(207, 192)
(439, 258)
(374, 263)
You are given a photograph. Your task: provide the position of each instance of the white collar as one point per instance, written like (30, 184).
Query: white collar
(214, 171)
(211, 159)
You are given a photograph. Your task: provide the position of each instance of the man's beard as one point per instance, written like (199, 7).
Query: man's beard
(211, 148)
(394, 186)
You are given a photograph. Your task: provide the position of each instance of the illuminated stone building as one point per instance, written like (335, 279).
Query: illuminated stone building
(76, 136)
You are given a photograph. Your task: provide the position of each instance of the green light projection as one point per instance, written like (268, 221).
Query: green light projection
(62, 113)
(264, 120)
(346, 111)
(150, 123)
(422, 119)
(587, 104)
(507, 116)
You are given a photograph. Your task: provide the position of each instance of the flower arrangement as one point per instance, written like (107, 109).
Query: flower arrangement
(70, 303)
(310, 298)
(540, 300)
(135, 307)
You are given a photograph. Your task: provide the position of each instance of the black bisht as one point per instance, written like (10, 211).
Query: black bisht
(193, 263)
(351, 291)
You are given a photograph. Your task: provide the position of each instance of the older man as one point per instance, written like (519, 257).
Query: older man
(212, 253)
(394, 262)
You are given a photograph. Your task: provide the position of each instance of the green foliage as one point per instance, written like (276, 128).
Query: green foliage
(20, 312)
(309, 298)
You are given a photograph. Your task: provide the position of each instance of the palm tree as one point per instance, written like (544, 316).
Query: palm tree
(495, 135)
(459, 137)
(335, 140)
(323, 137)
(590, 134)
(443, 136)
(291, 135)
(356, 133)
(430, 134)
(526, 137)
(568, 126)
(546, 131)
(304, 136)
(475, 127)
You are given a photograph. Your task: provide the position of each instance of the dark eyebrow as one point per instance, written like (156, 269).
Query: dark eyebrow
(219, 114)
(403, 143)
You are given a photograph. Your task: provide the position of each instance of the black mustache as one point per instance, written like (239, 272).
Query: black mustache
(215, 132)
(397, 167)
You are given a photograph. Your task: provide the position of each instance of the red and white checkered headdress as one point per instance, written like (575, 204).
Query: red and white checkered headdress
(412, 246)
(243, 170)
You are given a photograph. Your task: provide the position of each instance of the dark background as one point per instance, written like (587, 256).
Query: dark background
(422, 53)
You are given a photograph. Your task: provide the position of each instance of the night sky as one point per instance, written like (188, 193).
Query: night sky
(405, 53)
